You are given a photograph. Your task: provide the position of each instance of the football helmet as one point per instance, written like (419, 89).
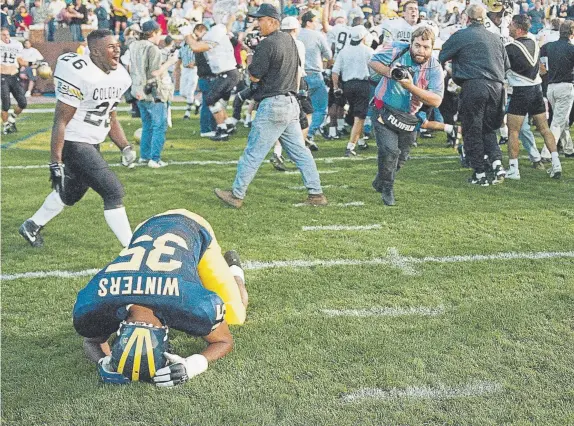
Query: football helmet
(44, 71)
(138, 351)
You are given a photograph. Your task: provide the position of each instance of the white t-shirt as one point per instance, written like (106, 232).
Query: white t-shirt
(340, 36)
(95, 95)
(220, 57)
(399, 29)
(9, 53)
(31, 55)
(301, 52)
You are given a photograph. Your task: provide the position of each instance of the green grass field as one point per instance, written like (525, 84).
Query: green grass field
(430, 338)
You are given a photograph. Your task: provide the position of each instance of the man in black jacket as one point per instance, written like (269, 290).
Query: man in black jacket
(479, 62)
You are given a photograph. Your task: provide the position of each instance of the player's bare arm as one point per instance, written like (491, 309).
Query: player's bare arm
(117, 134)
(62, 117)
(220, 343)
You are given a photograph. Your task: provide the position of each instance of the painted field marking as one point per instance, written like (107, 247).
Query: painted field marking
(351, 204)
(304, 263)
(341, 228)
(322, 186)
(440, 391)
(225, 162)
(385, 312)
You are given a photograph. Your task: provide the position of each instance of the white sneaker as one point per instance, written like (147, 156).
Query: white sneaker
(555, 172)
(142, 161)
(512, 173)
(207, 134)
(156, 164)
(28, 94)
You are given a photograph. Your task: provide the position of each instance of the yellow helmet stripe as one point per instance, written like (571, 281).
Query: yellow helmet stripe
(142, 333)
(150, 358)
(126, 352)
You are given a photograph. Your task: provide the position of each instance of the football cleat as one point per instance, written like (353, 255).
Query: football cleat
(187, 115)
(220, 135)
(278, 162)
(538, 165)
(513, 173)
(388, 195)
(232, 258)
(483, 181)
(555, 172)
(498, 175)
(31, 233)
(310, 143)
(350, 153)
(363, 145)
(231, 128)
(502, 141)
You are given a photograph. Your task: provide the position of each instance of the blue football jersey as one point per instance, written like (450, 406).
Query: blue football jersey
(158, 270)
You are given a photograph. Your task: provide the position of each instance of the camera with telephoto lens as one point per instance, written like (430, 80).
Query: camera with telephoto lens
(401, 72)
(150, 87)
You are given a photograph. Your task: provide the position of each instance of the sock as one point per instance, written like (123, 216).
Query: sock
(332, 131)
(340, 123)
(480, 175)
(237, 272)
(248, 118)
(504, 132)
(188, 107)
(513, 162)
(51, 208)
(362, 142)
(277, 149)
(11, 119)
(222, 126)
(497, 163)
(231, 120)
(118, 222)
(351, 146)
(555, 159)
(448, 128)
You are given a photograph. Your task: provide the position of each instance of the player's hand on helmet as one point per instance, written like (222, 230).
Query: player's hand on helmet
(338, 92)
(128, 156)
(179, 370)
(108, 375)
(57, 176)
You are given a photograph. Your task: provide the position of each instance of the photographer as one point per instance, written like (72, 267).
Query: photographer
(410, 77)
(275, 70)
(152, 95)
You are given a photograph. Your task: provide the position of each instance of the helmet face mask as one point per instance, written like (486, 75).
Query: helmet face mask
(138, 350)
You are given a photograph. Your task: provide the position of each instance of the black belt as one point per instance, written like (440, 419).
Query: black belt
(280, 94)
(9, 75)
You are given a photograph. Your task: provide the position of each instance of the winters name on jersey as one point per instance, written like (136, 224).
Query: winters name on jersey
(128, 285)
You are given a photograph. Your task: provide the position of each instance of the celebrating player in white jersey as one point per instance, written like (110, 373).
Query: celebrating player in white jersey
(88, 89)
(338, 36)
(400, 29)
(10, 62)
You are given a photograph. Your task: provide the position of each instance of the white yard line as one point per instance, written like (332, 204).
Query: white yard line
(303, 263)
(424, 392)
(351, 204)
(341, 228)
(233, 162)
(385, 312)
(322, 186)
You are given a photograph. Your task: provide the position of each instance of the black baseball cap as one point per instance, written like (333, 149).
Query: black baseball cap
(266, 9)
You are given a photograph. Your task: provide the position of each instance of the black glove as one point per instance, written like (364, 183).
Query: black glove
(338, 93)
(57, 176)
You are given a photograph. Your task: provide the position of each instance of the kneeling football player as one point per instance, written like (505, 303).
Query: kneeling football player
(171, 275)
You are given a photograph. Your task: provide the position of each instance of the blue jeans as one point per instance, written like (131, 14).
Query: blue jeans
(319, 99)
(76, 30)
(206, 120)
(277, 119)
(51, 30)
(154, 126)
(528, 142)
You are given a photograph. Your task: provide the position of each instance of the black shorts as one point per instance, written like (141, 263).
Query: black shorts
(86, 168)
(222, 86)
(358, 93)
(121, 18)
(306, 105)
(527, 100)
(11, 84)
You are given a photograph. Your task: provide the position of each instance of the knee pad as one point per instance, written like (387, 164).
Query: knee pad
(219, 106)
(22, 102)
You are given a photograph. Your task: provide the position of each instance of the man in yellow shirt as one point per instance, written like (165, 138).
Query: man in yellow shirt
(122, 11)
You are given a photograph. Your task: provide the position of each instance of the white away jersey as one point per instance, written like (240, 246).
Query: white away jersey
(95, 94)
(340, 36)
(9, 53)
(502, 31)
(399, 29)
(220, 57)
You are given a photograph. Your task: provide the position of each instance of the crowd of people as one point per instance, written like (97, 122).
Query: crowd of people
(315, 71)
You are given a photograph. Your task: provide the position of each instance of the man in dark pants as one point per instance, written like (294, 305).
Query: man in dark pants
(275, 71)
(398, 98)
(479, 63)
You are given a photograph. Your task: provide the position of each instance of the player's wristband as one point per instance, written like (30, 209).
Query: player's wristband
(195, 365)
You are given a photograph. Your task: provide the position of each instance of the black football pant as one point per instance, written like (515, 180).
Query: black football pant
(481, 114)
